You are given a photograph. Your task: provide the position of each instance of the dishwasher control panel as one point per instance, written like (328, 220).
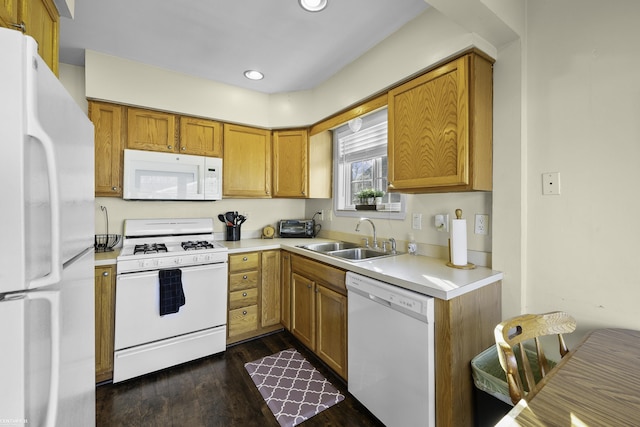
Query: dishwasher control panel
(391, 295)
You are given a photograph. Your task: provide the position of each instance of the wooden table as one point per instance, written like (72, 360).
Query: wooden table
(597, 384)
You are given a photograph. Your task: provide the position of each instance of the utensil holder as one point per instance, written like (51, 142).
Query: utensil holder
(233, 233)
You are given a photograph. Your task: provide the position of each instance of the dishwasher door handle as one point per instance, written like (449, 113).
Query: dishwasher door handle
(380, 300)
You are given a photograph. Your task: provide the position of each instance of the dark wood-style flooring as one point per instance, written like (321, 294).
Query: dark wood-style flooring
(216, 391)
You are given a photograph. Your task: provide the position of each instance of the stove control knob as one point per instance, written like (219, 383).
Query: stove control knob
(178, 260)
(195, 258)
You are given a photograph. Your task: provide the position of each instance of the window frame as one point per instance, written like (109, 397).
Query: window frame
(339, 185)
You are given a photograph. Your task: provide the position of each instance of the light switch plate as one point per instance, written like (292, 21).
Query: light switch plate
(416, 222)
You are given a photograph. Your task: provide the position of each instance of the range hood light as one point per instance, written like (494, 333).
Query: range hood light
(253, 75)
(313, 5)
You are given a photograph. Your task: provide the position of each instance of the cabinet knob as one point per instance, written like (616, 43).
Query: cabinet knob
(244, 277)
(183, 148)
(114, 188)
(244, 312)
(244, 294)
(308, 286)
(106, 273)
(170, 147)
(245, 258)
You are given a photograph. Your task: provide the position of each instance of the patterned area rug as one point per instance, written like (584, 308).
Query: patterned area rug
(292, 388)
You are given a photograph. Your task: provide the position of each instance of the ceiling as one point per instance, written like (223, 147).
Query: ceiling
(220, 39)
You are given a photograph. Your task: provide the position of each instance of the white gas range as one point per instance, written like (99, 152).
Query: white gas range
(171, 295)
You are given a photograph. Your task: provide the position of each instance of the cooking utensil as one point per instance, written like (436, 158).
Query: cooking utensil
(223, 219)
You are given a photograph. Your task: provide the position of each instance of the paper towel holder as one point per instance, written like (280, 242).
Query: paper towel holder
(468, 266)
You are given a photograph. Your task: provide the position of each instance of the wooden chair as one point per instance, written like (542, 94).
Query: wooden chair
(515, 332)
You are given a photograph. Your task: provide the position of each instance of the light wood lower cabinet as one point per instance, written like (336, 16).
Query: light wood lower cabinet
(319, 310)
(105, 295)
(254, 294)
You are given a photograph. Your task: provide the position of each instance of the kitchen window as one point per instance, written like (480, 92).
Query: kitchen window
(360, 160)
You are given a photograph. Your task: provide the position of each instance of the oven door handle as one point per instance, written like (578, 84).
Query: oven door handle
(189, 268)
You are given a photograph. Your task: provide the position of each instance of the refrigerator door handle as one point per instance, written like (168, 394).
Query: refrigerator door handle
(53, 298)
(34, 129)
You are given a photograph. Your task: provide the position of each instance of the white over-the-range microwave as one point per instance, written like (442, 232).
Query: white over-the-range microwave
(150, 175)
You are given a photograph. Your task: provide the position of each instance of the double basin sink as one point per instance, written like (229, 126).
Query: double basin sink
(347, 251)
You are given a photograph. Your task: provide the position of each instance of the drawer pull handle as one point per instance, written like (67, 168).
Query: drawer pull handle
(244, 312)
(244, 277)
(245, 258)
(244, 294)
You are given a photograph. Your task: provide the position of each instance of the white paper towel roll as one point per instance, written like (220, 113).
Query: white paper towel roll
(459, 241)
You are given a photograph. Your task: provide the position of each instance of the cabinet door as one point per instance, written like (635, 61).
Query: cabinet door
(428, 141)
(8, 13)
(290, 163)
(331, 320)
(285, 274)
(247, 162)
(303, 324)
(151, 130)
(108, 120)
(270, 294)
(42, 22)
(105, 293)
(200, 137)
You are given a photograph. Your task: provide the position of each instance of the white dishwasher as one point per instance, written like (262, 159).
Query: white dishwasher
(391, 351)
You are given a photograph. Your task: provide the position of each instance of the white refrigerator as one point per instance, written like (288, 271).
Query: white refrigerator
(47, 350)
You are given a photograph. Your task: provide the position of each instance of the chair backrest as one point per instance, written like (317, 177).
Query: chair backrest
(515, 332)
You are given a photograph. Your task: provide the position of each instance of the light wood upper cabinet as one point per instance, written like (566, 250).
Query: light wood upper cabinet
(105, 294)
(440, 129)
(290, 163)
(247, 162)
(200, 137)
(151, 130)
(8, 13)
(108, 121)
(39, 19)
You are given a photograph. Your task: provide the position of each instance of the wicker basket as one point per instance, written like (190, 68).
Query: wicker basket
(105, 242)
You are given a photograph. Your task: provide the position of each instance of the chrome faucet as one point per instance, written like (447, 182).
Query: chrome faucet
(375, 240)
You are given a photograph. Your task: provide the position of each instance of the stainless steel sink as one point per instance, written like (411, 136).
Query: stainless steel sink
(329, 246)
(359, 254)
(347, 251)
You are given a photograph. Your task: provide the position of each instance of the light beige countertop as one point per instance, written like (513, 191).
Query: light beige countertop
(106, 258)
(426, 275)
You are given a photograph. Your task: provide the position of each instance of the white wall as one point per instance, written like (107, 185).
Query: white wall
(583, 121)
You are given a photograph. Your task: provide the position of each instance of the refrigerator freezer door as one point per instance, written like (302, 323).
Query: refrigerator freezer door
(47, 169)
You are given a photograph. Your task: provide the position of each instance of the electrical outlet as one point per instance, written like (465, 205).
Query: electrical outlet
(416, 222)
(442, 222)
(322, 215)
(482, 224)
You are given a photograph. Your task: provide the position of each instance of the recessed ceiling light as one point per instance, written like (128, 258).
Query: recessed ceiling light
(313, 5)
(253, 75)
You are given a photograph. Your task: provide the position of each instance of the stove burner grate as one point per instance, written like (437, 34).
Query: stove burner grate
(200, 244)
(150, 248)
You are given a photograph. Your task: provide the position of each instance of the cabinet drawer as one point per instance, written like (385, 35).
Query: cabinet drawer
(242, 320)
(247, 261)
(244, 280)
(243, 298)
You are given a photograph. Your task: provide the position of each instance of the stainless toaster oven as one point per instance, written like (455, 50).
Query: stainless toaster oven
(297, 228)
